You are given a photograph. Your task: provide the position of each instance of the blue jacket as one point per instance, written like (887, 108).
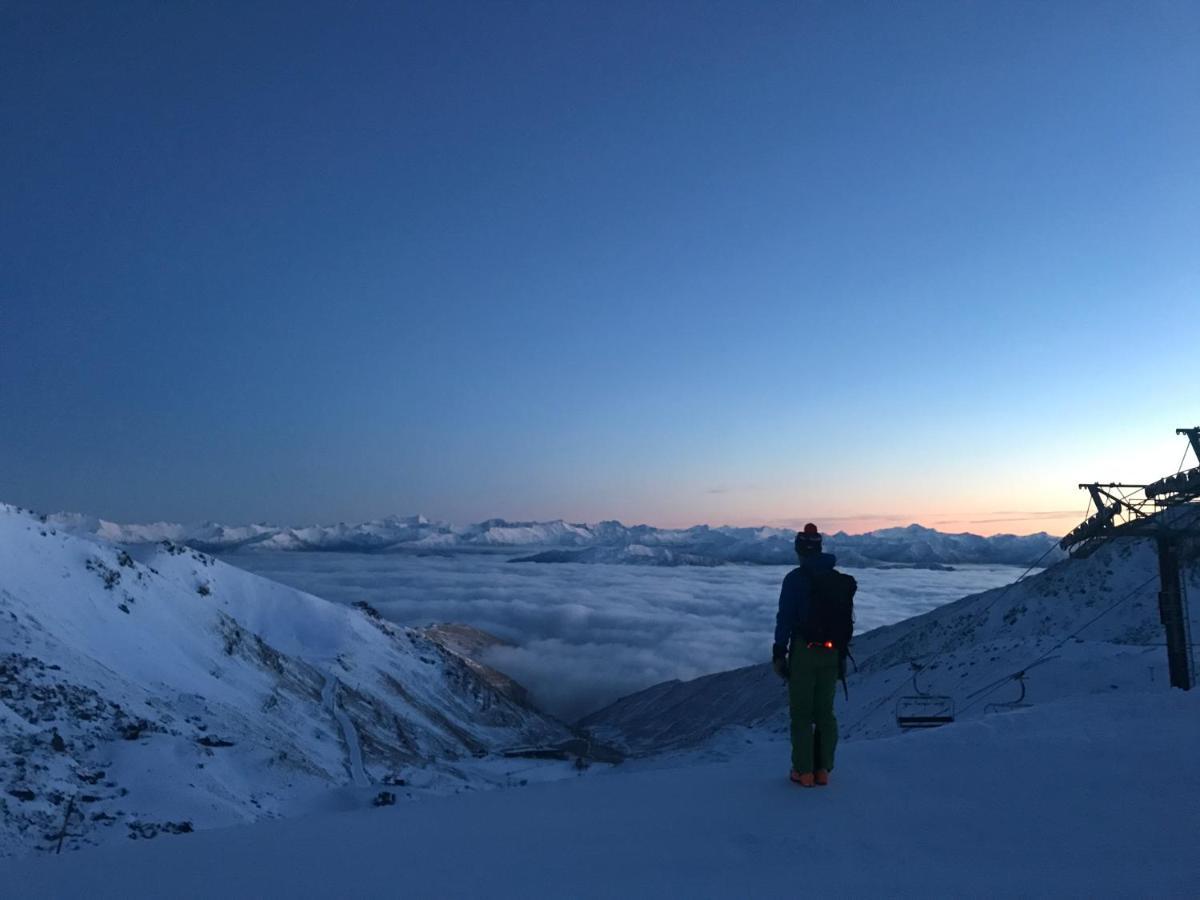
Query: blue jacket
(793, 598)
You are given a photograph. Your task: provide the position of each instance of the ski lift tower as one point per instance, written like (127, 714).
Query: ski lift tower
(1168, 512)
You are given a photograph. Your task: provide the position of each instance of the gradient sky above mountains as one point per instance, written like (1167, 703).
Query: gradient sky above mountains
(734, 263)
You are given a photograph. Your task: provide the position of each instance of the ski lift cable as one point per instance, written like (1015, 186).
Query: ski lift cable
(1183, 458)
(1018, 703)
(940, 653)
(1003, 593)
(1044, 657)
(1020, 674)
(983, 693)
(1007, 678)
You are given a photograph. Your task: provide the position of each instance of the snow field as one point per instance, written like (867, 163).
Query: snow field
(1091, 796)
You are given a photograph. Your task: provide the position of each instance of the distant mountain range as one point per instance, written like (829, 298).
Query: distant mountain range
(562, 542)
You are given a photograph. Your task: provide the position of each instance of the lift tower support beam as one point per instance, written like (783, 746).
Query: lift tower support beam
(1193, 436)
(1171, 612)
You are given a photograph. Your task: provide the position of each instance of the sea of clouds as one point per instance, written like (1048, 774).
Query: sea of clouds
(585, 635)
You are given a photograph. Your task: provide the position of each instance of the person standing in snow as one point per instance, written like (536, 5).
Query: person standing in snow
(812, 638)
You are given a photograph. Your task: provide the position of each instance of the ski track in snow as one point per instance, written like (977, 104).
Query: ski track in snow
(349, 733)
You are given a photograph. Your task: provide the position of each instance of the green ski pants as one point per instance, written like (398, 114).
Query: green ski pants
(812, 686)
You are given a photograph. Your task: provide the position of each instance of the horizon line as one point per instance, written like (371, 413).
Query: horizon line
(886, 521)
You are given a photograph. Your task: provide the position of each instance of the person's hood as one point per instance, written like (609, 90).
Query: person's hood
(821, 561)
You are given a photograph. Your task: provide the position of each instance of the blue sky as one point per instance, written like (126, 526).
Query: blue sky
(668, 262)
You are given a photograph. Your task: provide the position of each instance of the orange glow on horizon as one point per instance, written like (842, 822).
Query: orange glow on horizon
(985, 523)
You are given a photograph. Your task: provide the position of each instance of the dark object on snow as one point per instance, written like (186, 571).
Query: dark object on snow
(367, 609)
(384, 798)
(63, 833)
(577, 746)
(57, 744)
(22, 793)
(150, 830)
(209, 741)
(131, 731)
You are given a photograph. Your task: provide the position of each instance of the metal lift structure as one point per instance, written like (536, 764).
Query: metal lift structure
(1166, 511)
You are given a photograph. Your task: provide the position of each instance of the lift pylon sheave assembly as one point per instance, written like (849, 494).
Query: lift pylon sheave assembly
(1185, 483)
(1166, 511)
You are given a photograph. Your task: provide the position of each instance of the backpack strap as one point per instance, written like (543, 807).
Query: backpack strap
(844, 655)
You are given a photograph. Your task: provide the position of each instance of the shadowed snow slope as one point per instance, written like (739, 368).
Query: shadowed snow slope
(1087, 797)
(166, 691)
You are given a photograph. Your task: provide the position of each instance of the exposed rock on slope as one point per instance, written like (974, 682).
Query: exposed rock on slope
(470, 645)
(160, 689)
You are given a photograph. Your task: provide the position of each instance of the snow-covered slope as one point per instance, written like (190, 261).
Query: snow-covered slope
(162, 690)
(1092, 797)
(605, 542)
(968, 645)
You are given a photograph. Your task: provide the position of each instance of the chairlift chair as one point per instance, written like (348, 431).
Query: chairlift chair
(922, 710)
(1010, 705)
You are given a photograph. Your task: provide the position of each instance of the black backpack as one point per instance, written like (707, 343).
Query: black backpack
(830, 608)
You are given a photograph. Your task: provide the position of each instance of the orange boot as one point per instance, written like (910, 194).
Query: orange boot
(804, 779)
(822, 776)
